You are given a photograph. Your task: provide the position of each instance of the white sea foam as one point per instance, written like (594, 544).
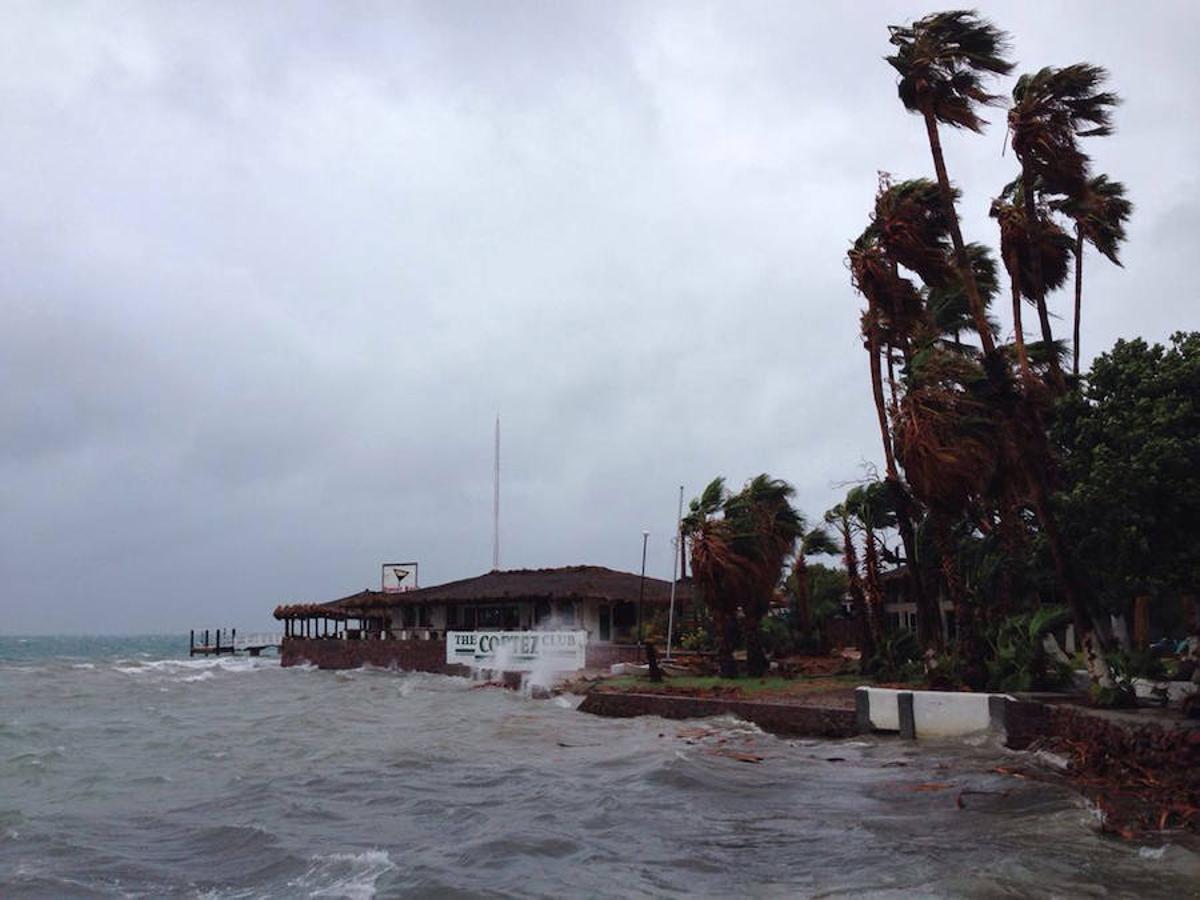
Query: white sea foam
(1152, 852)
(184, 666)
(349, 875)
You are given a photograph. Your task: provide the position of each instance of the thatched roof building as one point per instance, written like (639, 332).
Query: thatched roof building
(567, 585)
(506, 586)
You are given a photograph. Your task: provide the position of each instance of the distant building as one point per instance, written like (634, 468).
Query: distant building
(612, 607)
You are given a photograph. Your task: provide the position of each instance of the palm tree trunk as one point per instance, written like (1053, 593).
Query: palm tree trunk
(871, 589)
(1078, 296)
(726, 626)
(978, 312)
(889, 455)
(756, 657)
(1014, 277)
(857, 599)
(802, 618)
(1033, 229)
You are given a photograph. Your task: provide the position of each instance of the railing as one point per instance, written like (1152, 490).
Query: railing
(262, 639)
(218, 641)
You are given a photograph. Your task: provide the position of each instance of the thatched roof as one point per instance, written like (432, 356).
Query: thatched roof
(565, 583)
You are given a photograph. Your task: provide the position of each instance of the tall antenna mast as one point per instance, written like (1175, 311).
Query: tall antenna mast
(496, 503)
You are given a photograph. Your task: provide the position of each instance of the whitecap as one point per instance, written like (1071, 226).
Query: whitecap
(1152, 852)
(349, 875)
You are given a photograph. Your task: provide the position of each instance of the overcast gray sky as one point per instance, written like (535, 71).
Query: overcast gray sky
(268, 272)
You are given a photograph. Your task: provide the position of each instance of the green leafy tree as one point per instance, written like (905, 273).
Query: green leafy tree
(1130, 448)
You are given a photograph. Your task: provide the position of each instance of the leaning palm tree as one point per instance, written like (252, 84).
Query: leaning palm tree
(1100, 212)
(716, 571)
(839, 518)
(739, 543)
(943, 60)
(816, 542)
(1052, 108)
(906, 228)
(870, 505)
(1029, 271)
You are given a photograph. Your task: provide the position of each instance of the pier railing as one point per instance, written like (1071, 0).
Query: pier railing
(219, 641)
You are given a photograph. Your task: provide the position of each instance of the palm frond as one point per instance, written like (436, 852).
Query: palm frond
(943, 59)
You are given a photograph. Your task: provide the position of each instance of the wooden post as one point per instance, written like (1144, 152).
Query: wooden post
(192, 642)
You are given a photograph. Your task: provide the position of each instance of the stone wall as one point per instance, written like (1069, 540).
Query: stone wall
(777, 718)
(330, 653)
(1155, 744)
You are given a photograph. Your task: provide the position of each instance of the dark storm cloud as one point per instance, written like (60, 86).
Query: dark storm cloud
(268, 273)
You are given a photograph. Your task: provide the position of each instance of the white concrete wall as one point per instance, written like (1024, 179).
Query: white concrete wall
(935, 713)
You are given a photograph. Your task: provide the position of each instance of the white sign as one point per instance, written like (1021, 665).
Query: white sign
(518, 651)
(399, 577)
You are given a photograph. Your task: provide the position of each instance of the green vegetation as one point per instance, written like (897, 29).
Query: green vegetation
(1015, 497)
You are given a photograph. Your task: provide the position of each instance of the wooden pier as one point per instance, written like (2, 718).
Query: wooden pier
(220, 641)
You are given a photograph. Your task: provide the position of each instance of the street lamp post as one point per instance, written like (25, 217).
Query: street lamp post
(642, 585)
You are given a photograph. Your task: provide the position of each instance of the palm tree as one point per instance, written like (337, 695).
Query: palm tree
(870, 505)
(907, 227)
(816, 542)
(839, 519)
(943, 60)
(1028, 271)
(739, 544)
(716, 571)
(1051, 109)
(766, 528)
(1100, 212)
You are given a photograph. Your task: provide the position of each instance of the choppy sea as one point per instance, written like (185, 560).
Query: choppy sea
(127, 769)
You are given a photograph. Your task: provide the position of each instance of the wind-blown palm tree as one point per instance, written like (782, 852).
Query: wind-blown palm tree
(815, 542)
(1100, 212)
(1052, 108)
(839, 519)
(739, 545)
(870, 504)
(943, 60)
(766, 528)
(907, 227)
(716, 570)
(1029, 271)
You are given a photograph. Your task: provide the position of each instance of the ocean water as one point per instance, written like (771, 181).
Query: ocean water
(127, 769)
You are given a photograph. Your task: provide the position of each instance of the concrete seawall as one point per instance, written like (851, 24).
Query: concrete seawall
(777, 718)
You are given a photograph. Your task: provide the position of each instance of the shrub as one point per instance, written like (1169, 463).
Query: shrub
(1019, 659)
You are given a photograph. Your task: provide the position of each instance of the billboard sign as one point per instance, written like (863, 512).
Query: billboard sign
(518, 651)
(399, 577)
